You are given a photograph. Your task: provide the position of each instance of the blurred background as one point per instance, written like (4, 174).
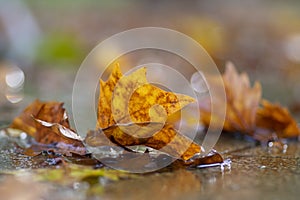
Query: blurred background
(42, 43)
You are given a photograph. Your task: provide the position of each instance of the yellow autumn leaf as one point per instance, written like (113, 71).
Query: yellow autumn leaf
(167, 140)
(133, 112)
(125, 99)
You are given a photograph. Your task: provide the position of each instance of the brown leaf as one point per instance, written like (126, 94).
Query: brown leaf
(47, 123)
(243, 113)
(273, 118)
(167, 140)
(60, 130)
(212, 159)
(98, 139)
(242, 102)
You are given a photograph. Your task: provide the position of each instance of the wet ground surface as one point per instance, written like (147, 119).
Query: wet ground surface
(256, 172)
(263, 43)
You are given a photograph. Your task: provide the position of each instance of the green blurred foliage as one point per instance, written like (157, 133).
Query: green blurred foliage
(60, 50)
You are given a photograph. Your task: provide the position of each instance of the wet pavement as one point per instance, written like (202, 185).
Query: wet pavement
(256, 172)
(262, 44)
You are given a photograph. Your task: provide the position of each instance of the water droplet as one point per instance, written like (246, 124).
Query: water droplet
(23, 136)
(285, 147)
(76, 185)
(226, 163)
(270, 144)
(277, 147)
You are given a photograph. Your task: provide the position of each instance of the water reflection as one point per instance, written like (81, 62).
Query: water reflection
(174, 185)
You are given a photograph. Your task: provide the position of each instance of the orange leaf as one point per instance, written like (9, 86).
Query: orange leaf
(133, 112)
(275, 119)
(133, 99)
(167, 139)
(243, 113)
(242, 102)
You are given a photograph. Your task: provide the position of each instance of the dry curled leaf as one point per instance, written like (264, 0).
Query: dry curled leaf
(243, 111)
(133, 112)
(242, 102)
(272, 118)
(47, 123)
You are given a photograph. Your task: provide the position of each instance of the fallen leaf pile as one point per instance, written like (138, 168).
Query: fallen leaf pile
(247, 112)
(131, 112)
